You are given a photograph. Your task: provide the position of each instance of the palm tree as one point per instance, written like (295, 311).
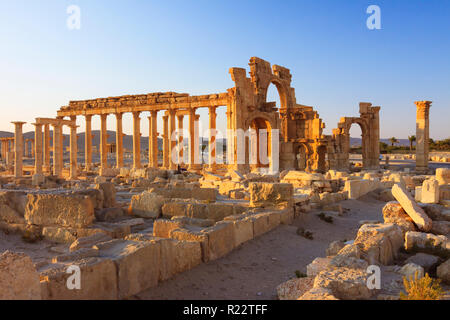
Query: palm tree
(393, 141)
(411, 139)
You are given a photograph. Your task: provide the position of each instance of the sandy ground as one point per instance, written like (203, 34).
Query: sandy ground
(255, 269)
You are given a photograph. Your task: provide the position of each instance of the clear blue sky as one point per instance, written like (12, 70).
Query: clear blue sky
(130, 47)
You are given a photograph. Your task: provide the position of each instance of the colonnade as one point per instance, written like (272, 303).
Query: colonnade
(172, 139)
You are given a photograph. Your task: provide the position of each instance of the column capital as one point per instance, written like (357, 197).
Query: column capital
(18, 123)
(212, 109)
(154, 113)
(136, 114)
(38, 125)
(119, 115)
(423, 104)
(88, 117)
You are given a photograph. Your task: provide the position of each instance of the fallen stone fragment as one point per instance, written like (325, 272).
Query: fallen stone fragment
(420, 218)
(426, 261)
(294, 288)
(427, 242)
(379, 243)
(394, 213)
(409, 270)
(443, 271)
(317, 266)
(344, 283)
(318, 294)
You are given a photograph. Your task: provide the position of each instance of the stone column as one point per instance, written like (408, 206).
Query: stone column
(33, 148)
(57, 139)
(422, 135)
(194, 163)
(180, 139)
(231, 160)
(119, 141)
(103, 142)
(88, 143)
(25, 153)
(212, 139)
(18, 149)
(166, 142)
(73, 150)
(47, 147)
(153, 140)
(136, 140)
(375, 137)
(173, 143)
(38, 148)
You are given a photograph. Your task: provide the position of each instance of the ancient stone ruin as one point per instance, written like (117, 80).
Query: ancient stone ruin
(128, 230)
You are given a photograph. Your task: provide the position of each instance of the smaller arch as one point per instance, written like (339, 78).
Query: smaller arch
(282, 92)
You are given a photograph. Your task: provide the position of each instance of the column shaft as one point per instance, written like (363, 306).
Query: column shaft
(18, 149)
(73, 151)
(119, 141)
(136, 140)
(38, 149)
(166, 142)
(57, 139)
(153, 140)
(88, 143)
(194, 162)
(47, 147)
(212, 138)
(172, 139)
(422, 135)
(180, 139)
(103, 142)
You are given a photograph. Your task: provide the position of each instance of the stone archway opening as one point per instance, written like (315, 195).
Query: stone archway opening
(301, 157)
(260, 143)
(356, 142)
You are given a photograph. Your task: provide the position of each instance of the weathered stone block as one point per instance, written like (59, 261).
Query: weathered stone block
(162, 227)
(18, 277)
(443, 271)
(109, 194)
(193, 235)
(12, 207)
(243, 231)
(147, 205)
(270, 194)
(344, 283)
(220, 239)
(62, 210)
(98, 280)
(138, 264)
(379, 243)
(317, 266)
(427, 242)
(443, 176)
(294, 288)
(430, 191)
